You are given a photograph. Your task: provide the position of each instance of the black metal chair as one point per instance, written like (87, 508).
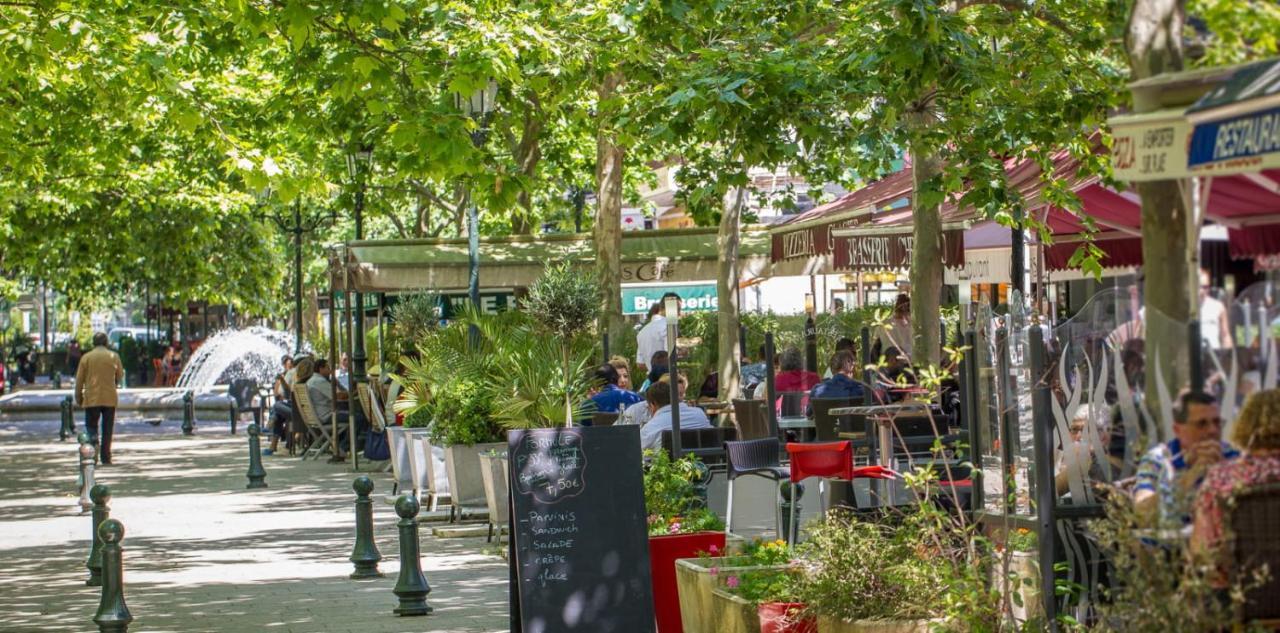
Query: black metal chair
(706, 444)
(752, 419)
(242, 392)
(1250, 537)
(826, 426)
(792, 405)
(760, 457)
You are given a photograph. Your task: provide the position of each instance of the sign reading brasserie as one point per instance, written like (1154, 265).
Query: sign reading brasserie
(891, 251)
(693, 298)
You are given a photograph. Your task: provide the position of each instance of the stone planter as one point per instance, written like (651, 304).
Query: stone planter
(696, 583)
(732, 614)
(419, 462)
(466, 484)
(1024, 588)
(398, 441)
(493, 472)
(832, 625)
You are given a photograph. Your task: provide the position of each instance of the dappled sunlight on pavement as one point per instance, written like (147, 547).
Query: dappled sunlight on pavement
(202, 553)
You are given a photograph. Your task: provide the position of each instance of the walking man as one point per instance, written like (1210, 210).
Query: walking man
(96, 379)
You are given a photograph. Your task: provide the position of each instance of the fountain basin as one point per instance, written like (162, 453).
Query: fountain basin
(163, 402)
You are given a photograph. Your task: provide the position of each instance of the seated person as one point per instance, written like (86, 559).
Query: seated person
(657, 367)
(659, 400)
(755, 373)
(1170, 473)
(637, 413)
(280, 409)
(845, 343)
(1257, 431)
(841, 384)
(793, 376)
(319, 387)
(624, 371)
(611, 398)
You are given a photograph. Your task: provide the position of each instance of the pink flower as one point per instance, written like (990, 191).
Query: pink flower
(715, 570)
(731, 582)
(714, 550)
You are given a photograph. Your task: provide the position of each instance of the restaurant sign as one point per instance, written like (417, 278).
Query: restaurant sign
(808, 242)
(1246, 143)
(693, 298)
(1150, 147)
(891, 251)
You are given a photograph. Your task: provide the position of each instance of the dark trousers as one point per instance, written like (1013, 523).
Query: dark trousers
(108, 416)
(280, 414)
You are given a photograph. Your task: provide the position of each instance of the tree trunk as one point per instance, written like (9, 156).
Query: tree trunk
(1170, 238)
(527, 153)
(727, 320)
(926, 263)
(607, 232)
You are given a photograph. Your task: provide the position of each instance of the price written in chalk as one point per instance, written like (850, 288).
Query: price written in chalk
(551, 467)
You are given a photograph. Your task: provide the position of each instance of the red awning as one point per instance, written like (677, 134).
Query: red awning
(809, 234)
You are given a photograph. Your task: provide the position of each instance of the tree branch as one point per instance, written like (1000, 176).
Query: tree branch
(1021, 7)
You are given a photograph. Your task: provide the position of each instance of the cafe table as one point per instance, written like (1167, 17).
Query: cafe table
(883, 416)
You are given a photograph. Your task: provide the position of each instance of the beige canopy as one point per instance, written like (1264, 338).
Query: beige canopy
(674, 255)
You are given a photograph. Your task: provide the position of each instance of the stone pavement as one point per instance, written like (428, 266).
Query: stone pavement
(202, 553)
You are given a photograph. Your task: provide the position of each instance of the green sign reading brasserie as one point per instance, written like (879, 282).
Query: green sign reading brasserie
(695, 298)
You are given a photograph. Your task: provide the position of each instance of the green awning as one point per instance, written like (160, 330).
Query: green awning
(675, 255)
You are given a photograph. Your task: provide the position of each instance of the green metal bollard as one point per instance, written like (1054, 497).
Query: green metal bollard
(188, 413)
(56, 379)
(784, 516)
(411, 586)
(88, 455)
(257, 475)
(101, 495)
(113, 614)
(68, 420)
(365, 554)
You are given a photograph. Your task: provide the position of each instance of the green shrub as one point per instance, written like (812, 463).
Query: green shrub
(671, 499)
(463, 415)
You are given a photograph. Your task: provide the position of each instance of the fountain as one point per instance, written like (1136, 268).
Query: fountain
(252, 353)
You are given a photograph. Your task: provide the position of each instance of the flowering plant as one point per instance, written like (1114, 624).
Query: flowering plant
(674, 502)
(775, 577)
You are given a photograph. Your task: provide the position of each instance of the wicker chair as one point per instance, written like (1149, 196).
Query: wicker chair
(321, 438)
(1253, 541)
(752, 420)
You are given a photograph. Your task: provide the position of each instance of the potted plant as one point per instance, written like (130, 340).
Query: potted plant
(756, 592)
(697, 579)
(680, 526)
(1016, 575)
(493, 471)
(564, 303)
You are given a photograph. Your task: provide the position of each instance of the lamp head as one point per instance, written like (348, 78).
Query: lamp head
(480, 102)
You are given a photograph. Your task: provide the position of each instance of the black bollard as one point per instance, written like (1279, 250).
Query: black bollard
(113, 614)
(68, 420)
(257, 475)
(365, 554)
(411, 586)
(101, 495)
(784, 516)
(88, 455)
(188, 413)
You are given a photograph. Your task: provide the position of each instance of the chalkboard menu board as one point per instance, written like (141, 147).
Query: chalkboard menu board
(579, 541)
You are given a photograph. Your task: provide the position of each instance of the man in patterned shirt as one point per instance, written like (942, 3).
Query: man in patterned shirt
(1170, 473)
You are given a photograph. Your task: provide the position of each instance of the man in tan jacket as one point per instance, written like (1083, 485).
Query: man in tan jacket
(96, 379)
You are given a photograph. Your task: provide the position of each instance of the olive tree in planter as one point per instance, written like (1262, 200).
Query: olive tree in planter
(563, 302)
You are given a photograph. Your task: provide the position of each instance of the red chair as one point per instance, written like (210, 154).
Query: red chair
(826, 460)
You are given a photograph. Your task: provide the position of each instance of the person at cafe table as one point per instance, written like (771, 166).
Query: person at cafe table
(841, 384)
(1170, 473)
(659, 398)
(611, 398)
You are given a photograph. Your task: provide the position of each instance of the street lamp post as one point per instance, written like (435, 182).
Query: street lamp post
(359, 164)
(479, 106)
(298, 226)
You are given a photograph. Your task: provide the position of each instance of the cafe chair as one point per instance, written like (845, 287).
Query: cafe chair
(242, 392)
(1252, 541)
(826, 460)
(826, 426)
(706, 444)
(752, 420)
(791, 403)
(760, 457)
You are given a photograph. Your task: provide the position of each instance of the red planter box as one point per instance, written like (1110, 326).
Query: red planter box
(780, 617)
(663, 552)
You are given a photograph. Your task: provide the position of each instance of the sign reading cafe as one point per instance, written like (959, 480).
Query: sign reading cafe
(891, 251)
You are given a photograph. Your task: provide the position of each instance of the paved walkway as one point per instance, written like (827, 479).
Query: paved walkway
(202, 553)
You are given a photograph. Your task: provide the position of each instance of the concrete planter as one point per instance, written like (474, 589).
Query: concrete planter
(696, 582)
(732, 614)
(462, 463)
(833, 625)
(493, 472)
(1024, 588)
(398, 441)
